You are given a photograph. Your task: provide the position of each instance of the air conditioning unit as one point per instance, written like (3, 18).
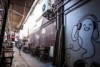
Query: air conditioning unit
(47, 8)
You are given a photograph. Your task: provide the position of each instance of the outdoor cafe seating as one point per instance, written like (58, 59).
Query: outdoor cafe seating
(7, 57)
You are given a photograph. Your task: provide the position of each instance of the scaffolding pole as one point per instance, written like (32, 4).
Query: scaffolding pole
(4, 19)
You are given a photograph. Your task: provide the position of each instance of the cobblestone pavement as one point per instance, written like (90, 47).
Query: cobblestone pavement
(26, 60)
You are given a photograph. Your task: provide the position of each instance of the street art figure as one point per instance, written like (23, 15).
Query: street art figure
(85, 32)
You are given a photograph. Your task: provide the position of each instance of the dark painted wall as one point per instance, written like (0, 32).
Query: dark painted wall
(82, 26)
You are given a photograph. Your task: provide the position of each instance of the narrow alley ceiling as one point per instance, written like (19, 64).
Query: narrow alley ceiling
(18, 11)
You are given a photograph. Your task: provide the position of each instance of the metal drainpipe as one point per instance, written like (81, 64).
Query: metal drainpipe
(59, 57)
(6, 7)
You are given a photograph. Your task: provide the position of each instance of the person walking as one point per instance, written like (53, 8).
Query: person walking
(20, 45)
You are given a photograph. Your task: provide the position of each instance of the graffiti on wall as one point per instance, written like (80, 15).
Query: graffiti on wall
(85, 32)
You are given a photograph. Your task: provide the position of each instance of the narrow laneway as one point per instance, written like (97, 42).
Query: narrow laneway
(49, 33)
(26, 60)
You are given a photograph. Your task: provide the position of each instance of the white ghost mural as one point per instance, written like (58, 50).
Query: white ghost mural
(85, 32)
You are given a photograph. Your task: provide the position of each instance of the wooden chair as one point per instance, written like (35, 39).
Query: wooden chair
(7, 58)
(37, 51)
(46, 53)
(32, 51)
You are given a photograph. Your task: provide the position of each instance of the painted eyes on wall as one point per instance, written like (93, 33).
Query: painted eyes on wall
(90, 24)
(84, 25)
(87, 25)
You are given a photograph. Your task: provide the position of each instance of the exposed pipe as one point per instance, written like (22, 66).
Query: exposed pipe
(23, 16)
(16, 12)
